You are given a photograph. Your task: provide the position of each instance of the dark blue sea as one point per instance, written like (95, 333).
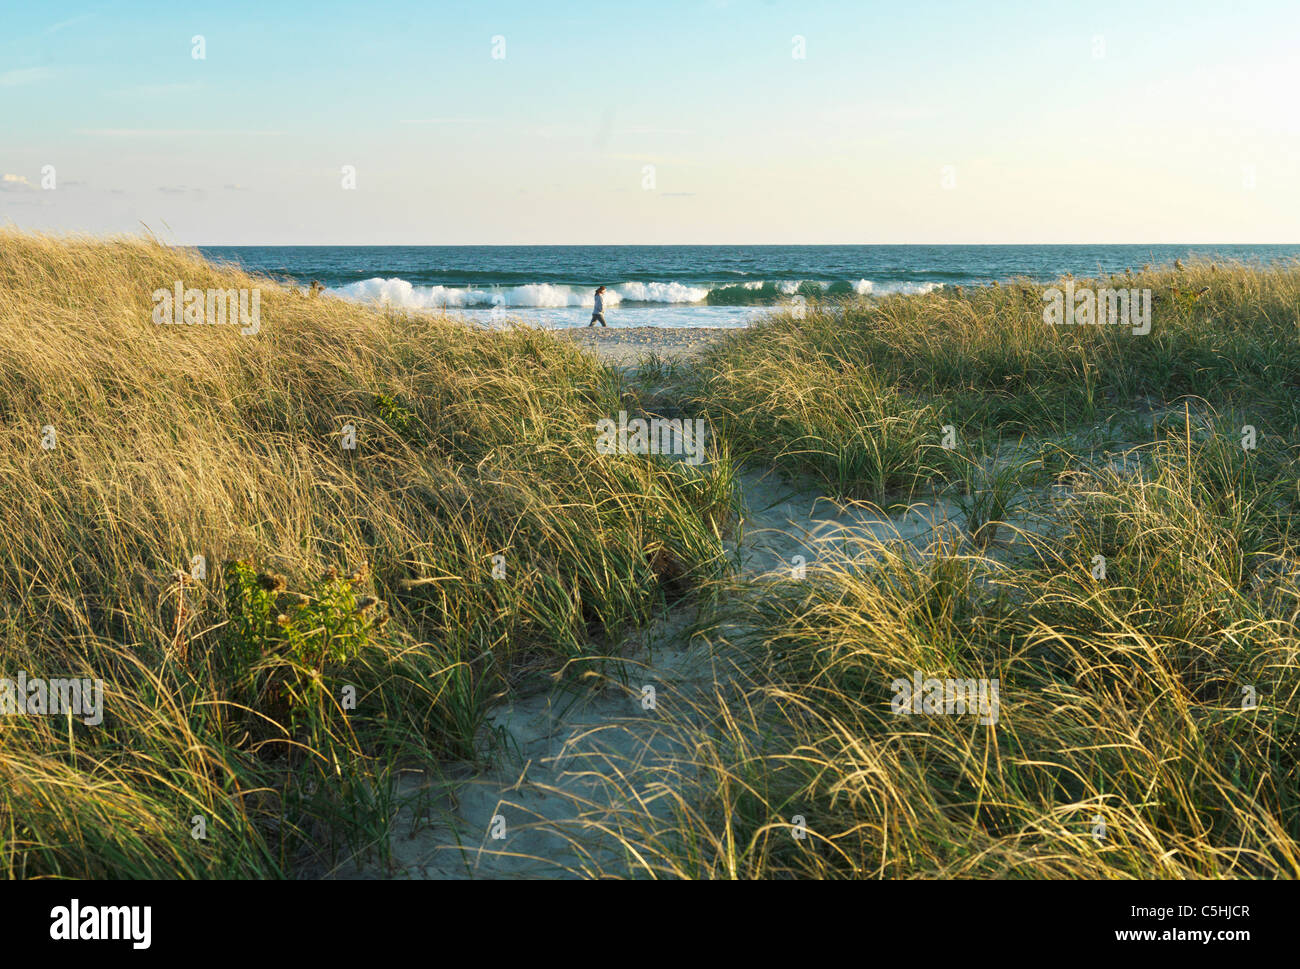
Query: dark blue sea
(681, 285)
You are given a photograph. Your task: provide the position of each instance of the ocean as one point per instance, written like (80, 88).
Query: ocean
(716, 286)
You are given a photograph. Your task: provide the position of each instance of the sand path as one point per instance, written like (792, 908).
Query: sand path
(580, 755)
(576, 757)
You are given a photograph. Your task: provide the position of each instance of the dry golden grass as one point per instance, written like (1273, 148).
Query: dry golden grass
(1121, 698)
(1150, 717)
(176, 441)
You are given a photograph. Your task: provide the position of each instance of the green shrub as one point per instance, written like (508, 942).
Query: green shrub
(284, 646)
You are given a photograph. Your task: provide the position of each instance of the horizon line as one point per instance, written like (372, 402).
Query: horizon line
(670, 245)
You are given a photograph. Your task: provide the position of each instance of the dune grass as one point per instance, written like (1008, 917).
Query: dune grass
(859, 392)
(1141, 627)
(1129, 577)
(1148, 723)
(472, 535)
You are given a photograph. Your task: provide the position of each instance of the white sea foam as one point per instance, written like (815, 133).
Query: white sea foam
(402, 294)
(659, 292)
(865, 287)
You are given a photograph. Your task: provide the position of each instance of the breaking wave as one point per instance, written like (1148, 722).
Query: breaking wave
(400, 293)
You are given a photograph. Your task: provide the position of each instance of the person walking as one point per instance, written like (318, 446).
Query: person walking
(598, 311)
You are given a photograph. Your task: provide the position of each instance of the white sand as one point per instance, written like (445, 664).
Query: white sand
(623, 346)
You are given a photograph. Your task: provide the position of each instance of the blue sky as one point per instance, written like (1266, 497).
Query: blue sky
(903, 122)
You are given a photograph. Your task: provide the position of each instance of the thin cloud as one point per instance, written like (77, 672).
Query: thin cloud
(25, 75)
(155, 90)
(443, 121)
(652, 159)
(147, 132)
(69, 22)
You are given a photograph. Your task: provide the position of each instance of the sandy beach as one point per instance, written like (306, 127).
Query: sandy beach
(625, 346)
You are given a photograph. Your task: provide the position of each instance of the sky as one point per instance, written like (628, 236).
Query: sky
(561, 122)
